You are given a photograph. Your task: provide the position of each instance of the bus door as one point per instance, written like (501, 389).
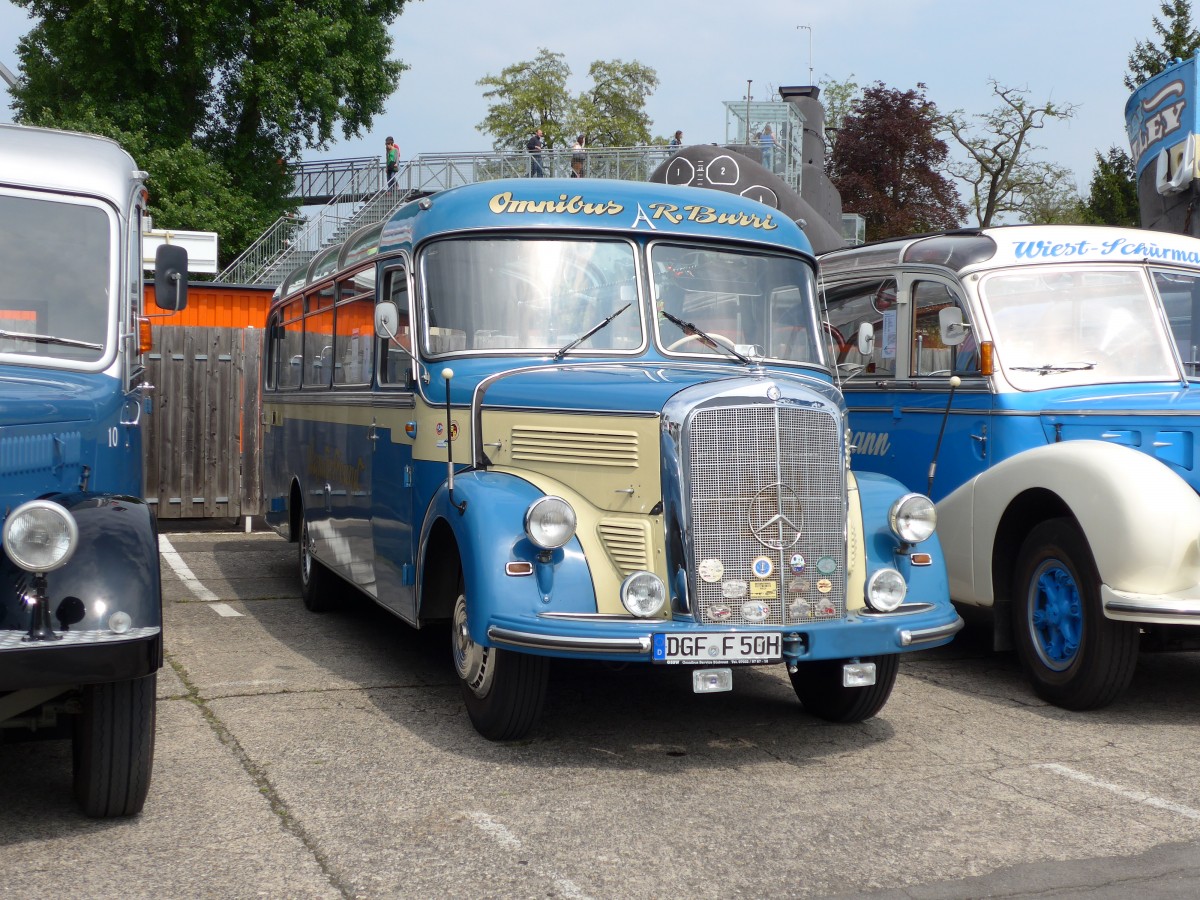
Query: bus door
(899, 394)
(352, 363)
(394, 416)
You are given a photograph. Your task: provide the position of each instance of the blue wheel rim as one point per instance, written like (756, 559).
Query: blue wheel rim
(1055, 615)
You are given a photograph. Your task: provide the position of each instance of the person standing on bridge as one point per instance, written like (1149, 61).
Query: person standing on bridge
(392, 161)
(535, 146)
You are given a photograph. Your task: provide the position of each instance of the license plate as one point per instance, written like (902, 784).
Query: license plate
(702, 647)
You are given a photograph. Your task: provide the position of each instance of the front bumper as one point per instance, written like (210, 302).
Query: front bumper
(1179, 608)
(911, 627)
(81, 657)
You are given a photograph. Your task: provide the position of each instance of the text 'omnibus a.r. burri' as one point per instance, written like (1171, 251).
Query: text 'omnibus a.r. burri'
(591, 420)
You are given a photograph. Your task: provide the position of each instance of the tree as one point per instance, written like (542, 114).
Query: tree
(525, 96)
(886, 164)
(534, 94)
(837, 98)
(1113, 199)
(1179, 41)
(613, 112)
(998, 170)
(234, 86)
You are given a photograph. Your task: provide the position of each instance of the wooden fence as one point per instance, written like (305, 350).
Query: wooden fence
(202, 436)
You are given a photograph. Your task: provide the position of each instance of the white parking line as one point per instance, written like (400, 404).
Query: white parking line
(500, 833)
(180, 568)
(223, 609)
(1127, 793)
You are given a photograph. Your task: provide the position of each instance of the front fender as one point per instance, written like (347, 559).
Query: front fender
(490, 533)
(1141, 520)
(114, 568)
(926, 583)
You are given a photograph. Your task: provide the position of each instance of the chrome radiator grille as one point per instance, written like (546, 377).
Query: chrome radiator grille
(767, 483)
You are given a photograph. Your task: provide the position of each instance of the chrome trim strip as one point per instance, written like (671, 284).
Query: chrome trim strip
(14, 639)
(926, 635)
(1191, 614)
(904, 609)
(592, 617)
(640, 644)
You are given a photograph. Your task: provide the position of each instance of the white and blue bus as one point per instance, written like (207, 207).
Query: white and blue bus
(80, 601)
(591, 420)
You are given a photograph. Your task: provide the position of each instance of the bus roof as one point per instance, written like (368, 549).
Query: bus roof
(591, 204)
(66, 161)
(990, 248)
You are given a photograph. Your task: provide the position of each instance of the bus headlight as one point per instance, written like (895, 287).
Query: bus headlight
(913, 518)
(40, 536)
(550, 522)
(886, 590)
(643, 594)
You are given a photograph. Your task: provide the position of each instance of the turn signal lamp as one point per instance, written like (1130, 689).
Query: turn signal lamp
(145, 339)
(987, 358)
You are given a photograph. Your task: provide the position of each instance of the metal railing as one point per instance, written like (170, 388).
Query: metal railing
(294, 240)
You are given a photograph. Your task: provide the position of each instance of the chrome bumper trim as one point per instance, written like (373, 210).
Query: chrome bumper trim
(927, 635)
(640, 644)
(11, 639)
(904, 609)
(1183, 606)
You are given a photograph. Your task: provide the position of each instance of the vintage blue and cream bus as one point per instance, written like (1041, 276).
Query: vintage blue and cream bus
(591, 420)
(80, 604)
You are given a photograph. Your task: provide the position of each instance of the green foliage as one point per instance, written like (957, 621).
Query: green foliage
(526, 96)
(613, 112)
(1179, 41)
(887, 160)
(838, 98)
(1113, 199)
(533, 94)
(999, 171)
(233, 88)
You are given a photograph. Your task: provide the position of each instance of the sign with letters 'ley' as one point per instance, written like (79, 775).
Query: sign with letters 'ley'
(1161, 113)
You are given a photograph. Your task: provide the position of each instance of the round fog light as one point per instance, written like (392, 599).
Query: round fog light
(550, 522)
(40, 536)
(119, 622)
(886, 590)
(913, 518)
(643, 594)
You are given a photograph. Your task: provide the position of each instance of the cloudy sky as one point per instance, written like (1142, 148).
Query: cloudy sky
(1071, 51)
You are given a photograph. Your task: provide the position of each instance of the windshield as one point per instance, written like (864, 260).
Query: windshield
(753, 303)
(530, 294)
(1073, 325)
(55, 280)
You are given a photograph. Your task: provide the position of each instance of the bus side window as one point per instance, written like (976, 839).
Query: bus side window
(395, 361)
(929, 355)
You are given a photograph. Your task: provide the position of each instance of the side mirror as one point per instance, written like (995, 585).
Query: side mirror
(387, 319)
(951, 325)
(866, 339)
(170, 277)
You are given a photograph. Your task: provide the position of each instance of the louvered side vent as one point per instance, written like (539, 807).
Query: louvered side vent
(627, 542)
(32, 453)
(575, 446)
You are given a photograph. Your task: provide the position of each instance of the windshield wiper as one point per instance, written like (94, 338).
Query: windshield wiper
(1049, 368)
(48, 339)
(587, 334)
(707, 340)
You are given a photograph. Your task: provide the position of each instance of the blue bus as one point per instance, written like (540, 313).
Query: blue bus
(80, 600)
(586, 419)
(1029, 378)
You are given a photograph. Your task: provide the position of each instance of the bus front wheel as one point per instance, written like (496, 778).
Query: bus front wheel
(819, 686)
(1075, 657)
(113, 746)
(504, 691)
(316, 584)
